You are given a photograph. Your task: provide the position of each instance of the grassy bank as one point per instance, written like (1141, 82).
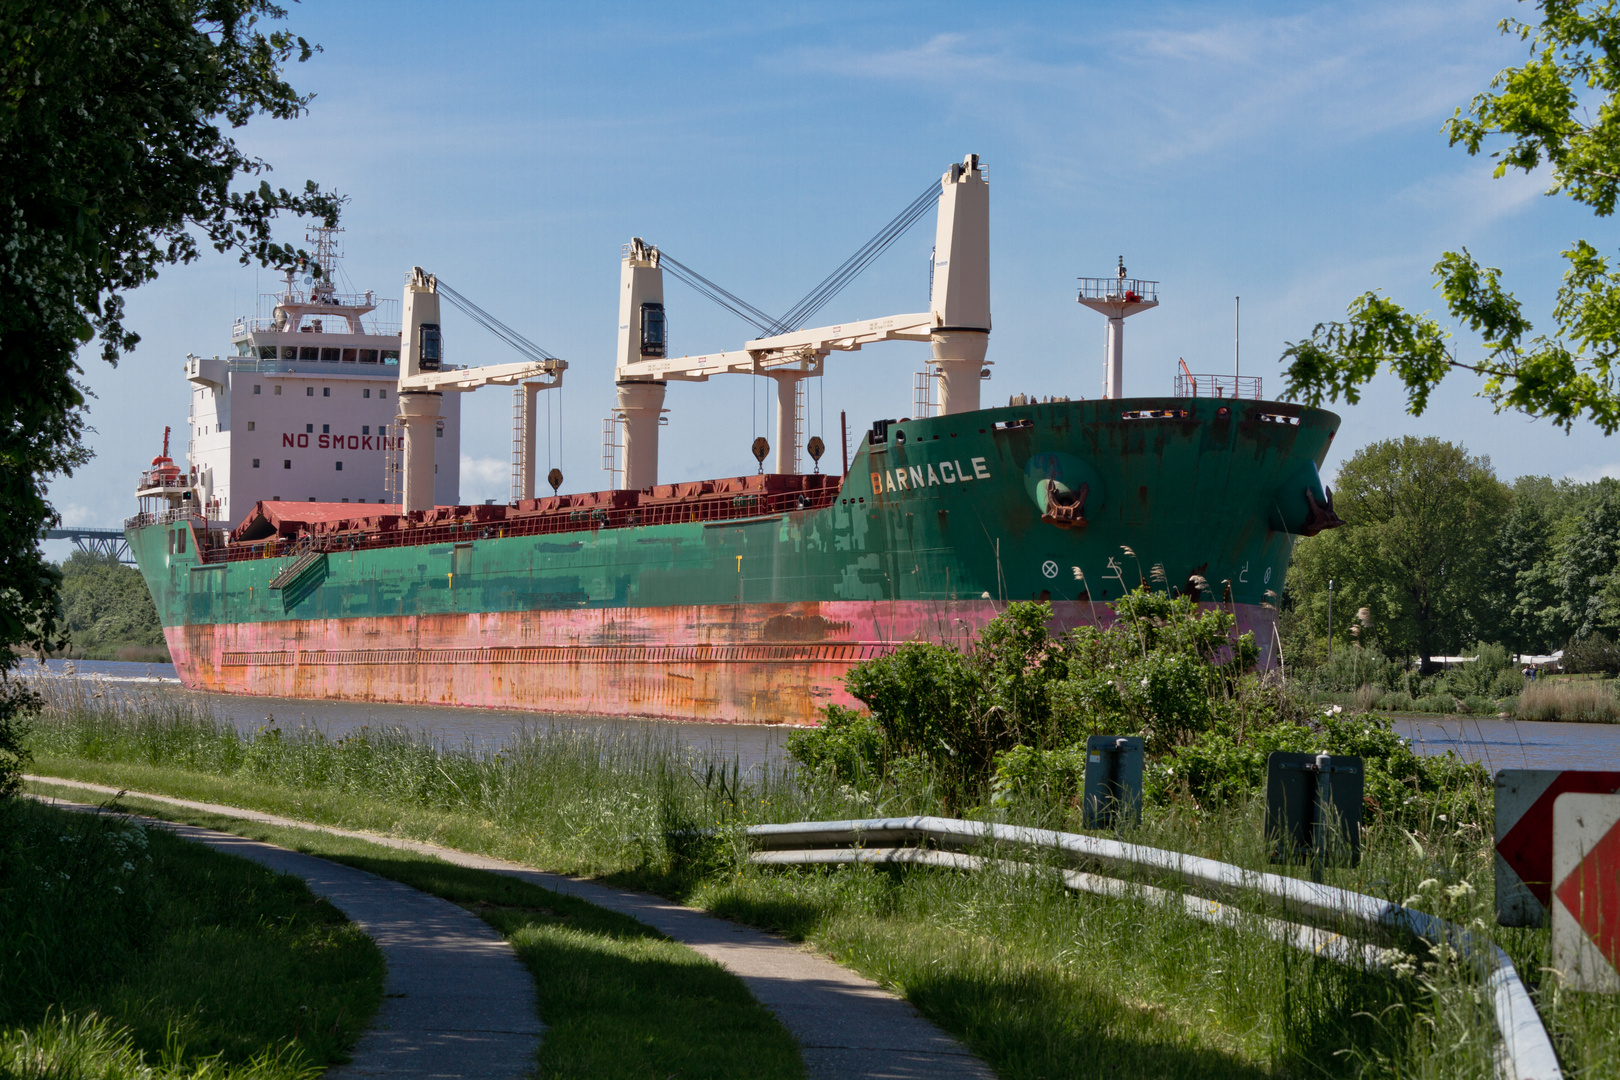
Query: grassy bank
(618, 999)
(128, 952)
(1040, 983)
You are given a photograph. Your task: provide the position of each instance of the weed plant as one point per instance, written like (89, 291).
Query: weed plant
(125, 952)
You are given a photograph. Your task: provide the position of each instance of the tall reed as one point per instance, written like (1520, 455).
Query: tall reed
(1587, 701)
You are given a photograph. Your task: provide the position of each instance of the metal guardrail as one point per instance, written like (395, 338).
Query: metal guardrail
(1527, 1051)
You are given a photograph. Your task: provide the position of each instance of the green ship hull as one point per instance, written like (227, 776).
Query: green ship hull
(753, 615)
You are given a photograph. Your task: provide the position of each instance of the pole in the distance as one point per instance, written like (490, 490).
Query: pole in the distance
(1237, 338)
(1330, 622)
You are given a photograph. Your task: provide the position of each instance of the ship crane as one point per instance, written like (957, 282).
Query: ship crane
(424, 379)
(956, 324)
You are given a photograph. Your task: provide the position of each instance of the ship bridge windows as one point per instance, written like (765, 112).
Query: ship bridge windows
(244, 348)
(267, 352)
(350, 355)
(330, 356)
(309, 352)
(368, 356)
(390, 356)
(289, 352)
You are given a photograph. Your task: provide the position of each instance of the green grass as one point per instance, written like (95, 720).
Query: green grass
(618, 998)
(1041, 984)
(127, 949)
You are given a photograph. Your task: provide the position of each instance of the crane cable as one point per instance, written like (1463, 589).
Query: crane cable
(799, 314)
(494, 325)
(834, 283)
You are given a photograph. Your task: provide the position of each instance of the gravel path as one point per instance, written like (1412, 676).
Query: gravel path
(846, 1025)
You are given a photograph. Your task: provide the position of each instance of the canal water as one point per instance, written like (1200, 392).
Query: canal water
(750, 744)
(1499, 744)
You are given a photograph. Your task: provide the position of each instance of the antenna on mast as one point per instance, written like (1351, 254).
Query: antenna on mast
(1237, 335)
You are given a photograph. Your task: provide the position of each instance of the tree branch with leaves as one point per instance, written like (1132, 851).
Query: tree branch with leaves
(114, 163)
(1560, 109)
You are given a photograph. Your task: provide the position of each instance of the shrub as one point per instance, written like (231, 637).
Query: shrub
(1014, 711)
(17, 703)
(847, 746)
(1043, 777)
(1477, 677)
(1509, 682)
(1353, 667)
(1592, 655)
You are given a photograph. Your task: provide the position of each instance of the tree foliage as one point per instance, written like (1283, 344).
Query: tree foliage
(113, 164)
(1559, 109)
(105, 605)
(1545, 574)
(1416, 550)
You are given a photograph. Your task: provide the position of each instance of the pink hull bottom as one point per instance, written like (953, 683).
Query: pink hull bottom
(747, 664)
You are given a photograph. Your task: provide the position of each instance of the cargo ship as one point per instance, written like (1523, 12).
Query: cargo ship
(742, 599)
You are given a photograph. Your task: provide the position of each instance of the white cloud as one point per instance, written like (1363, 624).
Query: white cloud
(1594, 472)
(485, 478)
(1186, 82)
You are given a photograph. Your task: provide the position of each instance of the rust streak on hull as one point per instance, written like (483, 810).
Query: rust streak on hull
(754, 663)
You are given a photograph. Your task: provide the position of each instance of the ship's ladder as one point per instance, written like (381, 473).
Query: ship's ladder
(299, 567)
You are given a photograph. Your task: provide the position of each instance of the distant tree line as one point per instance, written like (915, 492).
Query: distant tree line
(107, 611)
(1438, 554)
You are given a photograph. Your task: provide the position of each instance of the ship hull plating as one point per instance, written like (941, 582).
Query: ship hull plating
(755, 619)
(756, 663)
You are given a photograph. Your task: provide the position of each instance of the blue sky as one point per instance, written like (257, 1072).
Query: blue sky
(1286, 153)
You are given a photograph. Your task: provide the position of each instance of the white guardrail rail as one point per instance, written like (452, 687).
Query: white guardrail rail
(1527, 1052)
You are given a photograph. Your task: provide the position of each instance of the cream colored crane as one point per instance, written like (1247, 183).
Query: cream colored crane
(956, 324)
(424, 379)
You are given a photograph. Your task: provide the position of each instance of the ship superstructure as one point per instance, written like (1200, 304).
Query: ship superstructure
(306, 408)
(741, 599)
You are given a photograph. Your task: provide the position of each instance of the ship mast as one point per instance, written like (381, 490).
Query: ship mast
(1118, 297)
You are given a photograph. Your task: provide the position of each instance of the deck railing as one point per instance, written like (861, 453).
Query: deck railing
(569, 520)
(1215, 386)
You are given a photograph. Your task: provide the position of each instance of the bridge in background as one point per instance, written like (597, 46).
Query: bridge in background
(107, 542)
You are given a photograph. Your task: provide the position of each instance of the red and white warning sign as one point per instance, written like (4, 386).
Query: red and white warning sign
(1524, 836)
(1586, 891)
